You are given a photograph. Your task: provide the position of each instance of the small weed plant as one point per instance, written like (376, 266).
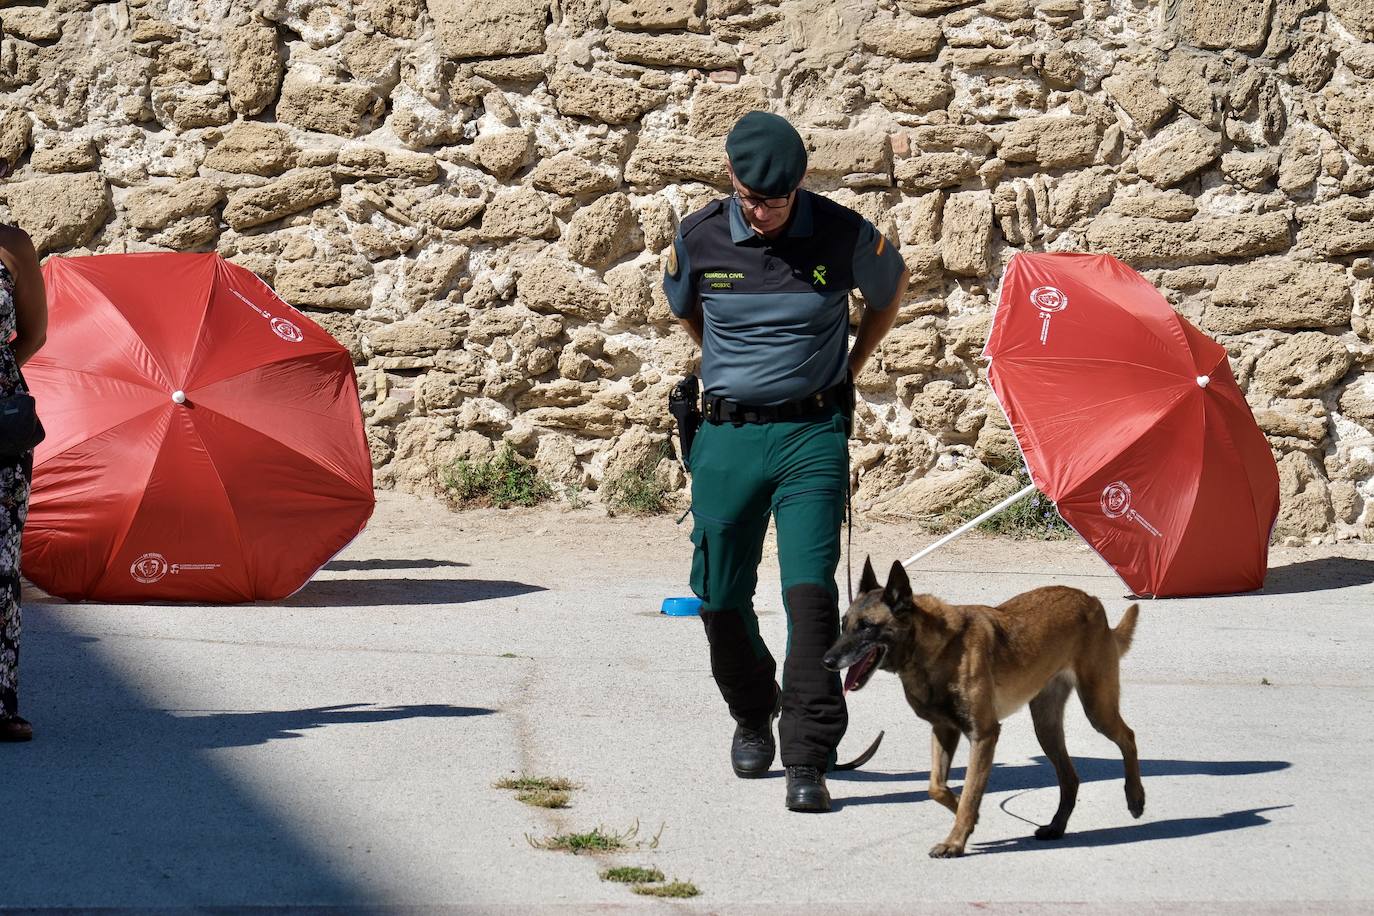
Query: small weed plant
(524, 783)
(575, 496)
(630, 874)
(543, 798)
(540, 791)
(503, 480)
(671, 889)
(598, 839)
(637, 490)
(1032, 517)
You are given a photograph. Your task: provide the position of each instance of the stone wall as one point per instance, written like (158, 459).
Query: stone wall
(475, 196)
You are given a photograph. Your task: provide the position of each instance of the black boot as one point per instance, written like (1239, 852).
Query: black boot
(806, 789)
(753, 747)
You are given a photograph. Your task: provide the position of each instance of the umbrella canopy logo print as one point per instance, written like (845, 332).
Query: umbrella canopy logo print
(1048, 299)
(280, 326)
(1116, 502)
(149, 568)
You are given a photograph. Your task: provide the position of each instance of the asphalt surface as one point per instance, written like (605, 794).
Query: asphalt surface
(338, 749)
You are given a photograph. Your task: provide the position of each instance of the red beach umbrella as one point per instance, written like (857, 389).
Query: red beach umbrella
(204, 439)
(1130, 420)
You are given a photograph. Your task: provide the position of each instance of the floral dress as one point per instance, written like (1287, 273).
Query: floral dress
(14, 508)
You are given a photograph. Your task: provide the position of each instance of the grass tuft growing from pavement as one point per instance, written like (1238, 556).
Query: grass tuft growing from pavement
(598, 839)
(671, 889)
(539, 791)
(525, 783)
(543, 798)
(631, 874)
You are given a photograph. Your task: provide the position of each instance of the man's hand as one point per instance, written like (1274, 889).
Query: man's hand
(873, 327)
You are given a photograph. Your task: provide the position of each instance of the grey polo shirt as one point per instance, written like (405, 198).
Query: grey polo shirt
(775, 312)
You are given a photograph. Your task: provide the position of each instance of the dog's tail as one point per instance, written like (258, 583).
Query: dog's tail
(1125, 630)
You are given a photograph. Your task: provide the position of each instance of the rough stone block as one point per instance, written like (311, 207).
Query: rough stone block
(489, 28)
(1199, 241)
(1279, 293)
(295, 191)
(60, 211)
(613, 101)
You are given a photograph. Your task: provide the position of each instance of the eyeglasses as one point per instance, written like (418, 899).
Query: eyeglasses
(771, 203)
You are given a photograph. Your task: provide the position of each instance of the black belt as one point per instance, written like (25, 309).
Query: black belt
(716, 409)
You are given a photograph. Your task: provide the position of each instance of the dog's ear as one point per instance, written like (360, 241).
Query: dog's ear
(897, 594)
(868, 582)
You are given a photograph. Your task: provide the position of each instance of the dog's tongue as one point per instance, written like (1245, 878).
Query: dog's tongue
(860, 669)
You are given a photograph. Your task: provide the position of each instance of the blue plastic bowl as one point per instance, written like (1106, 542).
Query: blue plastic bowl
(681, 607)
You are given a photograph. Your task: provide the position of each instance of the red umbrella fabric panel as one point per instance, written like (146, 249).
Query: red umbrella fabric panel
(1130, 419)
(205, 440)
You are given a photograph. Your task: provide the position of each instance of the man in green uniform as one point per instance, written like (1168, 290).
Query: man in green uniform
(761, 280)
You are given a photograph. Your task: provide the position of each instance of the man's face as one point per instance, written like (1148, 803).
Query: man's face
(766, 216)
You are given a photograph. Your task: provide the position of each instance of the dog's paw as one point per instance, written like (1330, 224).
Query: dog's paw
(1049, 832)
(946, 851)
(1135, 803)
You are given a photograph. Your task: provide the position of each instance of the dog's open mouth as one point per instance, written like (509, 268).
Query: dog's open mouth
(863, 669)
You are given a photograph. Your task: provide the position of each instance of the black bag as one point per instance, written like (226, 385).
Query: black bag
(20, 428)
(684, 403)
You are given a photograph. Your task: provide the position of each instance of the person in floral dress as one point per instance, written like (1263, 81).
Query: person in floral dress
(23, 328)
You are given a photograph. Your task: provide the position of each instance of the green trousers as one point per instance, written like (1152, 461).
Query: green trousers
(797, 472)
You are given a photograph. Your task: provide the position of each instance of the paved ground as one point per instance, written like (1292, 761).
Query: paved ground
(339, 748)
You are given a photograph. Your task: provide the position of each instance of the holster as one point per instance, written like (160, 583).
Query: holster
(684, 403)
(847, 402)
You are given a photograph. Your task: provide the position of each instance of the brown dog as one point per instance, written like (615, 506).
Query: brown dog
(965, 668)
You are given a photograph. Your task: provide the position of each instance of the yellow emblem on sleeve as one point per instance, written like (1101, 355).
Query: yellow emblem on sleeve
(672, 261)
(882, 243)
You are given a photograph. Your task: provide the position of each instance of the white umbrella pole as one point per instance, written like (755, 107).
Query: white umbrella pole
(977, 521)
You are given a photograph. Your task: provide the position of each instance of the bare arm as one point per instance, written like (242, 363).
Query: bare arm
(873, 327)
(693, 326)
(30, 298)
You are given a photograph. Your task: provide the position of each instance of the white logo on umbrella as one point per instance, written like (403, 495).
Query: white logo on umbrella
(1048, 299)
(1116, 502)
(280, 326)
(151, 567)
(287, 331)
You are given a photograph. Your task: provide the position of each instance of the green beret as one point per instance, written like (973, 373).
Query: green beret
(767, 154)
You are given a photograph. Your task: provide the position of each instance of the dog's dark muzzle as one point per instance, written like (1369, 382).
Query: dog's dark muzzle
(861, 656)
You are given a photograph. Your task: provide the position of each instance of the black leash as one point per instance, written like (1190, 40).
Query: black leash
(849, 574)
(849, 543)
(851, 405)
(864, 757)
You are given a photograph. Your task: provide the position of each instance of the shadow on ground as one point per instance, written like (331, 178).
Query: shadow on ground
(1176, 829)
(342, 593)
(117, 803)
(243, 729)
(393, 592)
(1318, 575)
(1040, 775)
(352, 565)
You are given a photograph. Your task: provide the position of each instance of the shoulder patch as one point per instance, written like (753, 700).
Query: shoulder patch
(672, 261)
